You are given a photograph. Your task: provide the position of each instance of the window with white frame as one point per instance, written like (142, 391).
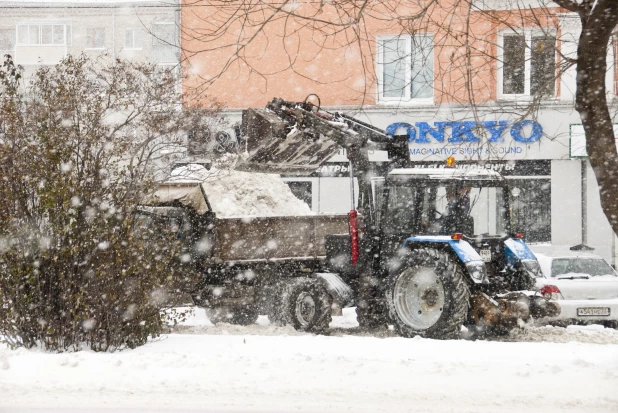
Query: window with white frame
(7, 40)
(46, 34)
(95, 38)
(165, 42)
(405, 68)
(527, 64)
(133, 38)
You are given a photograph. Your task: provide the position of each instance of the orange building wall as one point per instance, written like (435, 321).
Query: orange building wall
(292, 57)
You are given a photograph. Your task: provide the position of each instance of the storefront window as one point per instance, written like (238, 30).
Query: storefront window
(531, 208)
(302, 190)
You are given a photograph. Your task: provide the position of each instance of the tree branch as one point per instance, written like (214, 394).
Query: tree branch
(570, 5)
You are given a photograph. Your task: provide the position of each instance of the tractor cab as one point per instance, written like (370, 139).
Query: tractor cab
(463, 208)
(443, 201)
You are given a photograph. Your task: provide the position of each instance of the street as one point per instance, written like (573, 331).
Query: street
(263, 368)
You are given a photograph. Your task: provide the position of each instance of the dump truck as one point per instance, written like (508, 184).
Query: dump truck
(240, 260)
(426, 250)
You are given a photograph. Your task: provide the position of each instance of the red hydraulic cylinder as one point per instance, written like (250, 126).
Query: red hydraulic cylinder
(352, 215)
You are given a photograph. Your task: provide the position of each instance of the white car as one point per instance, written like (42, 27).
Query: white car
(585, 286)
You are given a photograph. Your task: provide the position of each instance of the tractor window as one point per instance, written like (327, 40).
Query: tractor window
(402, 206)
(488, 211)
(450, 208)
(446, 209)
(377, 188)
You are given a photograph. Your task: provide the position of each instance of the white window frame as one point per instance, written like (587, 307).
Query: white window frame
(134, 30)
(66, 30)
(8, 29)
(104, 36)
(527, 33)
(155, 40)
(406, 99)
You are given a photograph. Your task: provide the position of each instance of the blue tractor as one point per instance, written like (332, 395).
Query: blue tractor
(429, 249)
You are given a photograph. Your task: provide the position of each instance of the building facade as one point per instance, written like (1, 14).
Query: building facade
(500, 97)
(43, 32)
(489, 84)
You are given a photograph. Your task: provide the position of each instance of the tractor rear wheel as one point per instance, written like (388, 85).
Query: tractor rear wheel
(428, 296)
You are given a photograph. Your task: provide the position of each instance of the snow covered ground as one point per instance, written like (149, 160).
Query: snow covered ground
(263, 368)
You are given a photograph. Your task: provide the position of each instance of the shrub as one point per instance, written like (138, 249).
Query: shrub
(78, 145)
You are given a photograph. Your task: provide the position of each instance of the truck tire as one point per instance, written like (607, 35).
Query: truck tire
(303, 303)
(243, 316)
(428, 296)
(371, 314)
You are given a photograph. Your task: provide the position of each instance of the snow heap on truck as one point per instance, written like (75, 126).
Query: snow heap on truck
(234, 194)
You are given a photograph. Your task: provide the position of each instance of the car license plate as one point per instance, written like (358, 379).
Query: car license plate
(593, 311)
(486, 255)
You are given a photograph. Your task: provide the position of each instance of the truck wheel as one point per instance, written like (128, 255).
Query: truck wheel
(429, 297)
(303, 303)
(371, 314)
(243, 316)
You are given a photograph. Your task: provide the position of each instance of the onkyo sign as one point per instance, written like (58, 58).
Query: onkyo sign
(525, 131)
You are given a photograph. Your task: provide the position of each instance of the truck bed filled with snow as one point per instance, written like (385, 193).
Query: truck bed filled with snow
(234, 193)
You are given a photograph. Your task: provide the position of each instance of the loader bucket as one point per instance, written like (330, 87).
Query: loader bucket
(273, 146)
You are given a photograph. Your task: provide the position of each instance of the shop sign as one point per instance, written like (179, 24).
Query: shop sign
(577, 141)
(460, 137)
(505, 168)
(333, 169)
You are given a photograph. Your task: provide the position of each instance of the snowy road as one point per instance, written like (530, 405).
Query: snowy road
(267, 369)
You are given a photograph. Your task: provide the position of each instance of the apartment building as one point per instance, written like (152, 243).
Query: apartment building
(458, 80)
(43, 32)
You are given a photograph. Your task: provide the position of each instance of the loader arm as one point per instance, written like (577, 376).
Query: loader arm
(299, 137)
(289, 137)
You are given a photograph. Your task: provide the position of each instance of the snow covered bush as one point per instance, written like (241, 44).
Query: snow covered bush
(79, 144)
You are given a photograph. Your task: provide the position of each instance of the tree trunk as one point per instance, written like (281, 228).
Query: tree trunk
(591, 103)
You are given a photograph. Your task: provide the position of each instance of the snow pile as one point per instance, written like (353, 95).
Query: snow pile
(234, 193)
(197, 323)
(595, 334)
(243, 372)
